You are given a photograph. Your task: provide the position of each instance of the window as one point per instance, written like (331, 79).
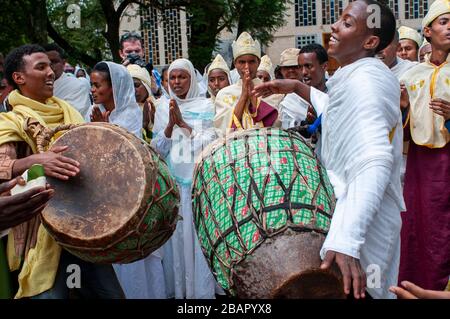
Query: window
(416, 9)
(149, 23)
(331, 10)
(393, 4)
(305, 13)
(172, 35)
(188, 28)
(303, 40)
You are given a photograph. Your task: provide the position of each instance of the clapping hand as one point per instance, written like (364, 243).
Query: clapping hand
(99, 116)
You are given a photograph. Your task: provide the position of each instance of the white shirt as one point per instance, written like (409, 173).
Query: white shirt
(74, 91)
(363, 165)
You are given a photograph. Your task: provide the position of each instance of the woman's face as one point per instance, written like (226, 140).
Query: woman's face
(101, 89)
(179, 82)
(140, 91)
(217, 80)
(81, 74)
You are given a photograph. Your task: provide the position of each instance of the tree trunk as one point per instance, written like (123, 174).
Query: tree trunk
(204, 24)
(70, 50)
(36, 13)
(112, 33)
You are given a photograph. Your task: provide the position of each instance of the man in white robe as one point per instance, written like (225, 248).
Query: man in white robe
(69, 88)
(361, 150)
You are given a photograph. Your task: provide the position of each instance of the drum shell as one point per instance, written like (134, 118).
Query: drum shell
(151, 224)
(239, 230)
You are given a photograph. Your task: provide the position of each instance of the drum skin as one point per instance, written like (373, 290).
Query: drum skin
(122, 205)
(262, 206)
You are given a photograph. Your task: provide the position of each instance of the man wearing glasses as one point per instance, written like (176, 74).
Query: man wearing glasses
(130, 43)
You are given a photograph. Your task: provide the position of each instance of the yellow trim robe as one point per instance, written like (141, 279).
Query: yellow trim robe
(227, 99)
(425, 82)
(41, 263)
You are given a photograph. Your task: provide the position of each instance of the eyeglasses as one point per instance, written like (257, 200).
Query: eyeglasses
(129, 35)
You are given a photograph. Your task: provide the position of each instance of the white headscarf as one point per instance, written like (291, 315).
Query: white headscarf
(193, 106)
(77, 68)
(127, 113)
(198, 112)
(194, 90)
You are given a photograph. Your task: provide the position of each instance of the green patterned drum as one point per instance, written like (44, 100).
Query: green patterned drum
(262, 206)
(121, 207)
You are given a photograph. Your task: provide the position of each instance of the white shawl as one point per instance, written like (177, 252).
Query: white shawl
(74, 91)
(198, 112)
(402, 66)
(127, 113)
(362, 151)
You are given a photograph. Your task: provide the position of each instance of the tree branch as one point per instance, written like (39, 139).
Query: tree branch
(69, 48)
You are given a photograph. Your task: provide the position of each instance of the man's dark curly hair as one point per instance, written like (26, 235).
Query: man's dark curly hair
(14, 61)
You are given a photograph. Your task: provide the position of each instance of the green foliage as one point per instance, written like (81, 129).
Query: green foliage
(89, 38)
(261, 18)
(91, 43)
(13, 32)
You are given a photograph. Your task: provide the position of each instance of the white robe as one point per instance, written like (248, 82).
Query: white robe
(402, 66)
(74, 91)
(142, 279)
(293, 110)
(364, 167)
(187, 273)
(185, 267)
(399, 69)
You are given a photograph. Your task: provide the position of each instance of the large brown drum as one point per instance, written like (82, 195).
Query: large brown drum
(123, 204)
(262, 206)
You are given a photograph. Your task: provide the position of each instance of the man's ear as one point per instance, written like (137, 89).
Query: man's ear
(371, 43)
(121, 54)
(427, 32)
(325, 66)
(18, 78)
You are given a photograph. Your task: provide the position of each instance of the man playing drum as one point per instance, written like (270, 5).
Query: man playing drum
(361, 150)
(42, 263)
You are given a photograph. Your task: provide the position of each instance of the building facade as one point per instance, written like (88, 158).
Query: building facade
(310, 21)
(166, 34)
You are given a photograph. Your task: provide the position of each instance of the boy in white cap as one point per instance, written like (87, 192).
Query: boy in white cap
(424, 50)
(218, 76)
(289, 67)
(265, 69)
(425, 251)
(409, 44)
(144, 97)
(236, 108)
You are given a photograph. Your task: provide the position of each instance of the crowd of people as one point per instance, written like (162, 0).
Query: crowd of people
(380, 125)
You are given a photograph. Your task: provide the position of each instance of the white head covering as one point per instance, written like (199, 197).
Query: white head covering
(438, 8)
(197, 112)
(127, 113)
(289, 57)
(218, 64)
(194, 90)
(77, 68)
(266, 65)
(246, 45)
(411, 34)
(141, 74)
(202, 85)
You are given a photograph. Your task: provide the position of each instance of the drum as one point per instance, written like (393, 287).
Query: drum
(122, 205)
(262, 207)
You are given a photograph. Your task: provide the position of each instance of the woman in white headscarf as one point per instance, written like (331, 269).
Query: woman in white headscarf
(81, 73)
(114, 101)
(183, 127)
(144, 98)
(114, 94)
